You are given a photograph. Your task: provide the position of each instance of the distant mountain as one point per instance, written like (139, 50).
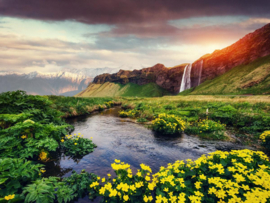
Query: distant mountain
(93, 72)
(44, 83)
(248, 58)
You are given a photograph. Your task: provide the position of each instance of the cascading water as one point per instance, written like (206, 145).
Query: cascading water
(200, 72)
(186, 83)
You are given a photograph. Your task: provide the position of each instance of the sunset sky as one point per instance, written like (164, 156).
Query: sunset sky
(49, 35)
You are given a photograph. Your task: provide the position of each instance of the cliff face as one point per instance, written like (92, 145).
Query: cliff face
(251, 47)
(167, 78)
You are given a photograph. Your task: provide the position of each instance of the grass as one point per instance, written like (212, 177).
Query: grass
(246, 115)
(74, 106)
(114, 89)
(253, 78)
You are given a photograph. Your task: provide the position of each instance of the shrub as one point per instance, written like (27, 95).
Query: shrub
(211, 129)
(265, 137)
(76, 145)
(168, 124)
(236, 176)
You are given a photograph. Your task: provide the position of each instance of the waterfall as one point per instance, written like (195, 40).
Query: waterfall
(200, 71)
(186, 83)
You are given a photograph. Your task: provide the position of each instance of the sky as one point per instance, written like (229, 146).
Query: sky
(51, 35)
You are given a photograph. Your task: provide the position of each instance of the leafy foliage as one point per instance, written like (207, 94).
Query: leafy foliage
(168, 124)
(80, 182)
(41, 190)
(210, 129)
(47, 190)
(77, 145)
(15, 174)
(265, 138)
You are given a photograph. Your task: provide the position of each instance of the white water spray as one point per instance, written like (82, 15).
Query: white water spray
(186, 83)
(200, 71)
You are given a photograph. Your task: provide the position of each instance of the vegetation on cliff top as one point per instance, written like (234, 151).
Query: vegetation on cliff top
(114, 89)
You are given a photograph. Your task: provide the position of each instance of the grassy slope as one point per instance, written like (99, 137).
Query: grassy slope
(233, 81)
(113, 89)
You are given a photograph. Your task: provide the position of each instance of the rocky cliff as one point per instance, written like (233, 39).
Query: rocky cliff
(167, 78)
(251, 47)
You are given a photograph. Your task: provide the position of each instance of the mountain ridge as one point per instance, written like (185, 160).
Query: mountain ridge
(44, 83)
(252, 46)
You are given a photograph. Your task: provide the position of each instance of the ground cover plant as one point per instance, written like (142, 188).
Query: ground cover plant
(265, 137)
(248, 116)
(30, 130)
(236, 176)
(168, 124)
(76, 145)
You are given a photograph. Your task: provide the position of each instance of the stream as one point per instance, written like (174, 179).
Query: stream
(132, 143)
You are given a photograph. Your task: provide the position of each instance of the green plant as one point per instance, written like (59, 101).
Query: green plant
(101, 107)
(142, 120)
(265, 138)
(16, 174)
(41, 191)
(64, 193)
(79, 183)
(236, 176)
(211, 129)
(76, 145)
(109, 104)
(126, 187)
(168, 124)
(130, 113)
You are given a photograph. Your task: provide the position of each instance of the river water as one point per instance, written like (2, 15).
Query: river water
(118, 138)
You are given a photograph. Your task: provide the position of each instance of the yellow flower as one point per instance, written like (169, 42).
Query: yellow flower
(109, 175)
(23, 136)
(91, 137)
(9, 197)
(126, 197)
(145, 198)
(42, 170)
(62, 140)
(43, 156)
(75, 143)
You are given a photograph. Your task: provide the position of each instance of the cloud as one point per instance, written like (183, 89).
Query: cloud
(129, 11)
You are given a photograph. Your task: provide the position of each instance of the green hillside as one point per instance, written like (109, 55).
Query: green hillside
(253, 78)
(114, 89)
